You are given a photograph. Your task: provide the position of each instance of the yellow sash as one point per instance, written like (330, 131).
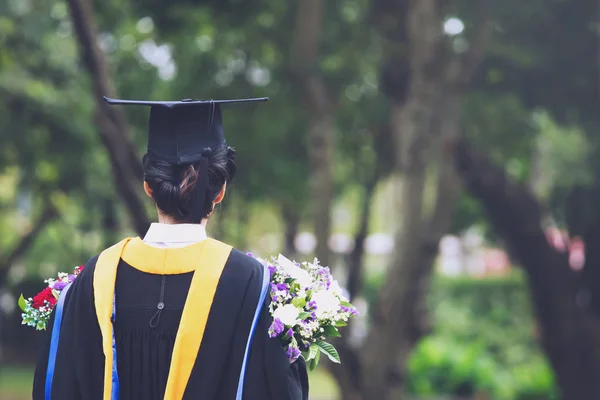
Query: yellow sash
(207, 259)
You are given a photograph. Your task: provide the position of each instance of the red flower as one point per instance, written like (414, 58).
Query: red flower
(44, 295)
(79, 269)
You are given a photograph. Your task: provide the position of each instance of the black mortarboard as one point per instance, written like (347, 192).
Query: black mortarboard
(181, 132)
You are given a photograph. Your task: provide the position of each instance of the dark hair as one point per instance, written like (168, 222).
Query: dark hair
(173, 186)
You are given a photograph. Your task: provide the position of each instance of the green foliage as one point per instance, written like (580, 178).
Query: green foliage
(233, 49)
(483, 341)
(443, 365)
(452, 366)
(314, 360)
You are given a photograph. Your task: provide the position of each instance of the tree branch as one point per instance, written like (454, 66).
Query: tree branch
(479, 40)
(491, 185)
(569, 334)
(111, 122)
(460, 70)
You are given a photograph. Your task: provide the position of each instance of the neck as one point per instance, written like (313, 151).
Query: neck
(165, 219)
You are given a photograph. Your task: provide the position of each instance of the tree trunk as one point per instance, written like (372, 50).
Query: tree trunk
(356, 257)
(387, 343)
(111, 122)
(303, 66)
(291, 221)
(569, 334)
(429, 110)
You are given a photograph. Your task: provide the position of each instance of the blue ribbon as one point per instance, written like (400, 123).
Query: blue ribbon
(58, 314)
(261, 300)
(115, 374)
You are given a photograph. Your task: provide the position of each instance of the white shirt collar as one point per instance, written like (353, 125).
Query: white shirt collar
(174, 235)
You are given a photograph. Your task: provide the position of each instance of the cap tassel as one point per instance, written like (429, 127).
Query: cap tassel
(197, 210)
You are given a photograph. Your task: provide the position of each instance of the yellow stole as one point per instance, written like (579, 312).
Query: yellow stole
(207, 259)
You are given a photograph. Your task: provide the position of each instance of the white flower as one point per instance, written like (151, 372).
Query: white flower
(295, 272)
(287, 314)
(336, 288)
(327, 303)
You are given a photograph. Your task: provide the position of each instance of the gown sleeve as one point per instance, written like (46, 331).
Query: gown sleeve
(79, 365)
(268, 359)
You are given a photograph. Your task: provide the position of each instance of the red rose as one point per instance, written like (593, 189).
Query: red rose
(44, 295)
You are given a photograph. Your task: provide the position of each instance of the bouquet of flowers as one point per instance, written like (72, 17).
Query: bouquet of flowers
(37, 310)
(307, 306)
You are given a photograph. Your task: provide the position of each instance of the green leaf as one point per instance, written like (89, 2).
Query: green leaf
(314, 362)
(22, 303)
(341, 323)
(346, 304)
(303, 315)
(329, 351)
(313, 350)
(331, 331)
(298, 302)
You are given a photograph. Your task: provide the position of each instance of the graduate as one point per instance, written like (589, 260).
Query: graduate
(175, 315)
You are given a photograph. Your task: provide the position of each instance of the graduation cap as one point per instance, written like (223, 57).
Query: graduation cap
(185, 132)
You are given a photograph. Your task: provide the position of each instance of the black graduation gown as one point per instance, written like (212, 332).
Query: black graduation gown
(145, 340)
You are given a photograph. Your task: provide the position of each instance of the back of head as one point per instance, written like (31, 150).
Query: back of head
(188, 161)
(173, 186)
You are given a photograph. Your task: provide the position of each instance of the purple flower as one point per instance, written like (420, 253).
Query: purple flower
(351, 310)
(59, 285)
(250, 255)
(275, 287)
(290, 332)
(312, 305)
(272, 270)
(276, 328)
(293, 353)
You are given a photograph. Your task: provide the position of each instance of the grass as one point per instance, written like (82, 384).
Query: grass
(15, 384)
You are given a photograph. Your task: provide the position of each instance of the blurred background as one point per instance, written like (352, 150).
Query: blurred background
(440, 155)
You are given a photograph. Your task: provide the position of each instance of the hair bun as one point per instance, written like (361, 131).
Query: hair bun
(173, 186)
(207, 152)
